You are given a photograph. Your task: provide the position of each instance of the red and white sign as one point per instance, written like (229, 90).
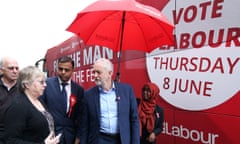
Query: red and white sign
(198, 78)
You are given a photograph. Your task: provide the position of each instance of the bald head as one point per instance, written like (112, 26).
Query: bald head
(8, 61)
(9, 69)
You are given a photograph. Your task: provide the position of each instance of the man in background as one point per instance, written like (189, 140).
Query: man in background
(9, 70)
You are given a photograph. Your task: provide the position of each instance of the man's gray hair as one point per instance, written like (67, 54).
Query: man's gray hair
(107, 64)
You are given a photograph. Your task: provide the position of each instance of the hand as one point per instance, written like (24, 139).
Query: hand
(51, 139)
(77, 141)
(152, 137)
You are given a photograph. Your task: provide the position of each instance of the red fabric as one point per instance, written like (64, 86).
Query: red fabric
(158, 4)
(73, 101)
(123, 25)
(146, 108)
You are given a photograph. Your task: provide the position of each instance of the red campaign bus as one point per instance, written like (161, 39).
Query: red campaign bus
(198, 78)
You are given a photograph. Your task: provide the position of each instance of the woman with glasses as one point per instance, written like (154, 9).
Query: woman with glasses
(27, 120)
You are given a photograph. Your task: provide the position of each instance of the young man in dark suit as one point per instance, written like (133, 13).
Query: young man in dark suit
(63, 99)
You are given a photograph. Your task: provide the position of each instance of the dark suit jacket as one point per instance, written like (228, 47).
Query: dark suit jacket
(64, 124)
(127, 115)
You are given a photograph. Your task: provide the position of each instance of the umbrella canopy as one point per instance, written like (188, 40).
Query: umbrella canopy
(123, 25)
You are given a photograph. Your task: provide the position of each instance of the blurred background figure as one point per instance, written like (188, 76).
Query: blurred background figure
(151, 115)
(27, 119)
(9, 70)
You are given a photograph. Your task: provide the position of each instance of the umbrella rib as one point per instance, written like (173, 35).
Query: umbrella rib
(158, 22)
(162, 27)
(101, 21)
(136, 20)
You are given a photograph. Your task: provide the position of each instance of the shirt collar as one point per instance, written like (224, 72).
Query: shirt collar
(102, 90)
(68, 82)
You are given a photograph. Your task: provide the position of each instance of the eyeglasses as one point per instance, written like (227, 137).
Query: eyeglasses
(42, 82)
(12, 68)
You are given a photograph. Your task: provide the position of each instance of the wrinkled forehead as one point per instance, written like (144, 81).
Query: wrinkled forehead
(11, 62)
(98, 68)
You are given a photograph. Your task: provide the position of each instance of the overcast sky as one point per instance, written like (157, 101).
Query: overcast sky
(29, 27)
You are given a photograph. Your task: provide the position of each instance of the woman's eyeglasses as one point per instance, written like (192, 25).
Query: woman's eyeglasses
(42, 82)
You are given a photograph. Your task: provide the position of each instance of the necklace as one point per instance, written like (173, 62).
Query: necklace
(36, 103)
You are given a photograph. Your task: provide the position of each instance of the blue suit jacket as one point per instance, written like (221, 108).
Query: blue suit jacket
(64, 124)
(127, 115)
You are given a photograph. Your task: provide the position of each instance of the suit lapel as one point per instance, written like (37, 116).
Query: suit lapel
(59, 99)
(97, 101)
(56, 83)
(118, 97)
(73, 89)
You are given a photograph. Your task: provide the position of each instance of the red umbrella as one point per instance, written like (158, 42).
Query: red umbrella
(123, 25)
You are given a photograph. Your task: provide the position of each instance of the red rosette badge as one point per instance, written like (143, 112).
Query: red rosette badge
(73, 101)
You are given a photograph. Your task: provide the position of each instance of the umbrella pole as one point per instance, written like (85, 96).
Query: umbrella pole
(120, 51)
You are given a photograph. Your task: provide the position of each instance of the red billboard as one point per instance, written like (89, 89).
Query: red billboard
(198, 78)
